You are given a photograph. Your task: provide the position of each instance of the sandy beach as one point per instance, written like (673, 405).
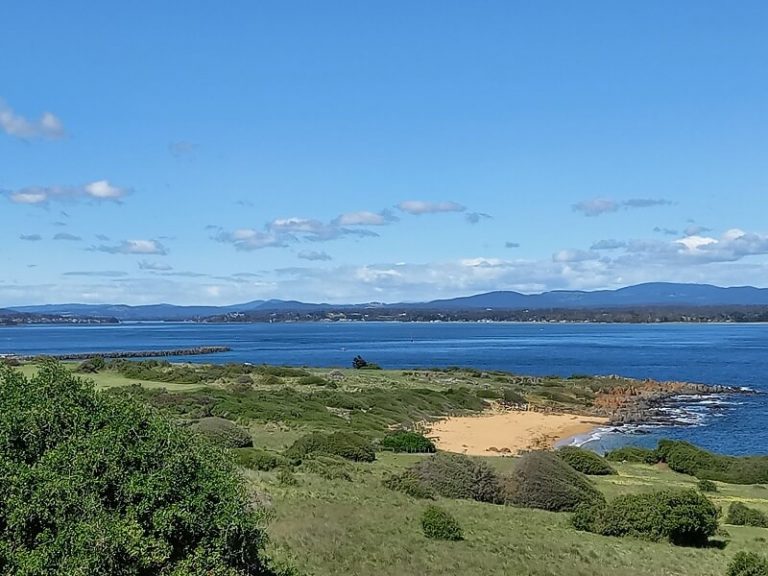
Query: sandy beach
(507, 433)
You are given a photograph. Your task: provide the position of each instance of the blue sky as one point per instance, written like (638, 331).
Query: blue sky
(203, 152)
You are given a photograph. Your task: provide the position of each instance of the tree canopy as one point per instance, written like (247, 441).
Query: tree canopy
(103, 484)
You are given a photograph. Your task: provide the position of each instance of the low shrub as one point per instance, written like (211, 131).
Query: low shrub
(315, 381)
(256, 459)
(410, 442)
(91, 365)
(684, 517)
(707, 486)
(410, 485)
(748, 564)
(510, 396)
(439, 524)
(741, 515)
(286, 477)
(344, 444)
(458, 476)
(542, 480)
(633, 454)
(223, 433)
(686, 458)
(585, 461)
(328, 467)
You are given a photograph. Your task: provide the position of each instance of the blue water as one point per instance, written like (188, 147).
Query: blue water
(729, 354)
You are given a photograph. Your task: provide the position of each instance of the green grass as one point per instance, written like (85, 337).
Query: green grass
(335, 526)
(111, 379)
(329, 527)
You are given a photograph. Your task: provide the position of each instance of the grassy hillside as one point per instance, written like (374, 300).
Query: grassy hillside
(343, 520)
(360, 527)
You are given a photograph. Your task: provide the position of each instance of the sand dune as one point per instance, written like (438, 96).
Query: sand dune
(505, 433)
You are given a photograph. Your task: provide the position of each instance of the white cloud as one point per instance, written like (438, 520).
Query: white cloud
(365, 218)
(133, 247)
(596, 206)
(314, 256)
(609, 244)
(98, 191)
(476, 217)
(67, 236)
(567, 256)
(13, 124)
(154, 266)
(418, 207)
(599, 206)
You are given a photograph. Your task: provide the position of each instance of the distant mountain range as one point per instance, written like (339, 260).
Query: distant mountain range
(642, 295)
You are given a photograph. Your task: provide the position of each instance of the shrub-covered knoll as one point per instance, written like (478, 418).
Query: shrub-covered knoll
(741, 515)
(542, 480)
(585, 461)
(98, 484)
(439, 524)
(223, 433)
(410, 485)
(686, 458)
(683, 517)
(748, 564)
(458, 476)
(257, 459)
(345, 444)
(410, 442)
(633, 454)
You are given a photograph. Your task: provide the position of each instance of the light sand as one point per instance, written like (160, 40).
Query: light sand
(505, 433)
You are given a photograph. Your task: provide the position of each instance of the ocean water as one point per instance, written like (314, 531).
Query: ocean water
(727, 354)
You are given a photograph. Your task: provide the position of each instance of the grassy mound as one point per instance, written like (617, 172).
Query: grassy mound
(633, 454)
(344, 444)
(748, 564)
(542, 480)
(685, 518)
(223, 433)
(451, 476)
(741, 515)
(686, 458)
(256, 459)
(438, 524)
(410, 442)
(585, 461)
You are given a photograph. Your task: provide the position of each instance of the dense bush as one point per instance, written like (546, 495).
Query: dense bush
(748, 564)
(91, 365)
(315, 381)
(103, 484)
(686, 458)
(456, 476)
(327, 466)
(585, 461)
(256, 459)
(344, 444)
(410, 485)
(223, 433)
(542, 480)
(685, 518)
(410, 442)
(439, 524)
(633, 454)
(741, 515)
(707, 486)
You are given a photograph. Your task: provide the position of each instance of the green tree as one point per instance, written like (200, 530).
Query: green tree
(102, 484)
